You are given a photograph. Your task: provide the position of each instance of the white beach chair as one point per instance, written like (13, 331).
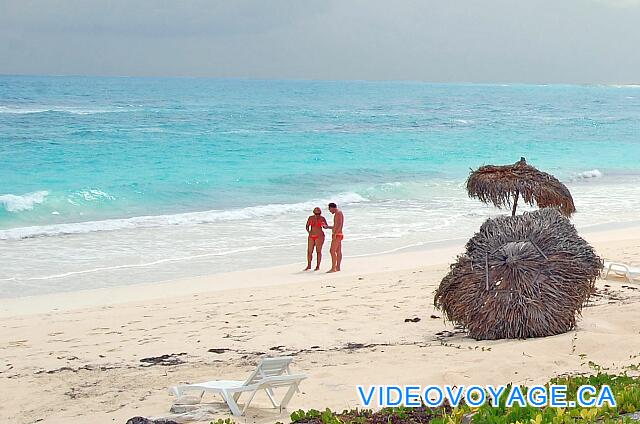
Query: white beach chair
(628, 272)
(270, 373)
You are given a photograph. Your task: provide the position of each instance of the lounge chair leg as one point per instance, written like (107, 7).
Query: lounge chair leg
(289, 372)
(288, 396)
(233, 406)
(246, 404)
(271, 398)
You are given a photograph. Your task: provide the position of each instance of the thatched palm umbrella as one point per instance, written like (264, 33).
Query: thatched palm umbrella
(500, 184)
(523, 276)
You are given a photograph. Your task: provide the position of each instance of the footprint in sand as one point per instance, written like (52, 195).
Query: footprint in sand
(66, 340)
(326, 300)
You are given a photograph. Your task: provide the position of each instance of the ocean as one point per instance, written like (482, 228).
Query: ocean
(117, 181)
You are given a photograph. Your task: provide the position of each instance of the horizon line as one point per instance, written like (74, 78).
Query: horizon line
(301, 79)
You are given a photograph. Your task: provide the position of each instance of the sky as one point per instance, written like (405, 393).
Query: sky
(482, 41)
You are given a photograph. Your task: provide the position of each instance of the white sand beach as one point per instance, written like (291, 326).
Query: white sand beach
(168, 170)
(69, 358)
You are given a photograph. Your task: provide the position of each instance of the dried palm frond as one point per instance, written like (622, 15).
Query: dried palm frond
(522, 276)
(501, 185)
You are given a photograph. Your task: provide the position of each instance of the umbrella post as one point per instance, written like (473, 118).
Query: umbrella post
(515, 203)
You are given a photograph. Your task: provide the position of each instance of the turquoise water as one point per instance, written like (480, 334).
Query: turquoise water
(96, 171)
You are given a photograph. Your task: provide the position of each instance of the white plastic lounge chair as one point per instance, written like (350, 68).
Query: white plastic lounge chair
(269, 374)
(629, 273)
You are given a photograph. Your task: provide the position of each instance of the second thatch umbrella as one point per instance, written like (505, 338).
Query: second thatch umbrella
(501, 185)
(523, 276)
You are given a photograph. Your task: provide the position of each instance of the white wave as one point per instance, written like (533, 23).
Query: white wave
(22, 110)
(15, 203)
(189, 218)
(93, 194)
(586, 175)
(156, 262)
(408, 246)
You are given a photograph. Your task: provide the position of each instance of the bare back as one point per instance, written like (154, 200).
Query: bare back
(338, 222)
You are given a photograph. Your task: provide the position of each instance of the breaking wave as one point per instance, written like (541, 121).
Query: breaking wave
(18, 203)
(189, 218)
(25, 110)
(587, 175)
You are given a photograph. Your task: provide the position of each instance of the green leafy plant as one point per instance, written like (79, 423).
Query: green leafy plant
(221, 421)
(625, 389)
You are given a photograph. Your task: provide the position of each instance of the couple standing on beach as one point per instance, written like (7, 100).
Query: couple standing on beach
(315, 224)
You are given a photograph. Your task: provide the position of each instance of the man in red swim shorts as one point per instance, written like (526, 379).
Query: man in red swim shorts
(336, 237)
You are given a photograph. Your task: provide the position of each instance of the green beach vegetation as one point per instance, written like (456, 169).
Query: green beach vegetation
(626, 390)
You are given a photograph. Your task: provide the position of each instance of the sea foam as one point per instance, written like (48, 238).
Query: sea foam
(586, 175)
(27, 110)
(190, 218)
(17, 203)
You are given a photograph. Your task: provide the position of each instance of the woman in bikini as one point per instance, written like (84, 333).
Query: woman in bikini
(314, 226)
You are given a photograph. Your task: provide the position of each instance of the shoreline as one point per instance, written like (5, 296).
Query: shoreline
(99, 354)
(226, 281)
(441, 252)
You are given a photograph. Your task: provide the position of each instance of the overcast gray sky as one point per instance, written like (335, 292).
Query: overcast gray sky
(535, 41)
